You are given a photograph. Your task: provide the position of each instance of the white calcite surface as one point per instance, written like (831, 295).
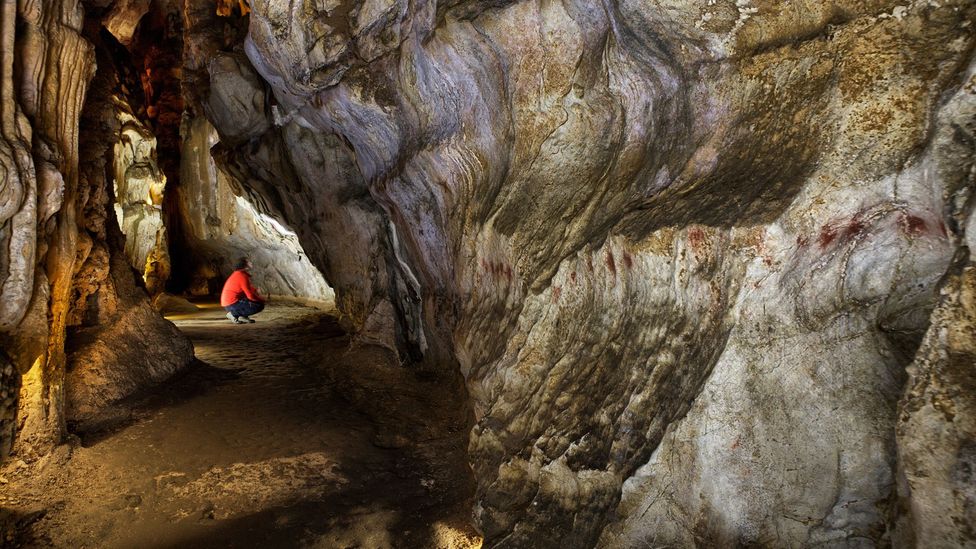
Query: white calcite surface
(220, 226)
(683, 252)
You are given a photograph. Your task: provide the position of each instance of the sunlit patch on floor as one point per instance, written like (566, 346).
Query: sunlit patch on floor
(245, 488)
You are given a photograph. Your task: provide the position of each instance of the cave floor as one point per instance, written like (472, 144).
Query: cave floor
(280, 435)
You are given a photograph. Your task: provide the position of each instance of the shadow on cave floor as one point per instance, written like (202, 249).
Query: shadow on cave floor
(279, 435)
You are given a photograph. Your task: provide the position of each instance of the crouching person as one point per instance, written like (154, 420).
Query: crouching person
(239, 297)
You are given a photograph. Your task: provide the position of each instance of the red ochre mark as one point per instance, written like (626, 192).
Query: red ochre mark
(557, 292)
(854, 227)
(696, 237)
(801, 241)
(734, 444)
(830, 233)
(572, 277)
(827, 235)
(628, 261)
(611, 264)
(508, 272)
(589, 262)
(913, 224)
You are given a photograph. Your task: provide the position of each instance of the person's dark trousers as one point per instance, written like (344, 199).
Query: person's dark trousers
(244, 307)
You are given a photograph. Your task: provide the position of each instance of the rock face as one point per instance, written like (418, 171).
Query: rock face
(681, 251)
(704, 265)
(936, 429)
(220, 226)
(140, 186)
(61, 269)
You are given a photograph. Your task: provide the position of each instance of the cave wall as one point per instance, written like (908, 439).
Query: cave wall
(63, 270)
(220, 226)
(139, 186)
(682, 251)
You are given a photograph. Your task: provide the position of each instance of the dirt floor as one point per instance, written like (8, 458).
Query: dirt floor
(279, 436)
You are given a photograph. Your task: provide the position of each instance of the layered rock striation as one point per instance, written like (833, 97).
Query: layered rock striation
(704, 266)
(682, 252)
(63, 270)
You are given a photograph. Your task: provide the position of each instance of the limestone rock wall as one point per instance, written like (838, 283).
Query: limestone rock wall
(220, 225)
(681, 251)
(936, 428)
(60, 270)
(139, 187)
(792, 437)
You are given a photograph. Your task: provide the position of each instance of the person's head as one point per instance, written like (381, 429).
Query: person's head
(243, 264)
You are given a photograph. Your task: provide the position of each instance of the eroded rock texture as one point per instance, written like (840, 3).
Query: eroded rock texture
(681, 251)
(936, 431)
(220, 226)
(140, 186)
(60, 270)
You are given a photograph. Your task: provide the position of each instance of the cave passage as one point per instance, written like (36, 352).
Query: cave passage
(257, 444)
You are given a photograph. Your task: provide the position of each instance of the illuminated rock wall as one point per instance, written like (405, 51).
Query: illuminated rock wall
(682, 251)
(139, 186)
(221, 226)
(62, 268)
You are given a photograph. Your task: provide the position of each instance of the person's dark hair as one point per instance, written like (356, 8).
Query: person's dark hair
(241, 264)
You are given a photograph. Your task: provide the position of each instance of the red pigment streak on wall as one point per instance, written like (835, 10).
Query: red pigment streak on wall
(497, 269)
(913, 224)
(827, 236)
(611, 264)
(572, 277)
(628, 261)
(589, 262)
(557, 292)
(854, 227)
(696, 237)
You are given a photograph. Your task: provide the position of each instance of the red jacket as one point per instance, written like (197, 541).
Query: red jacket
(238, 286)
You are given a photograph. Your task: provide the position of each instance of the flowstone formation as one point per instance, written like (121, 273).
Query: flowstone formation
(67, 292)
(220, 226)
(139, 186)
(682, 252)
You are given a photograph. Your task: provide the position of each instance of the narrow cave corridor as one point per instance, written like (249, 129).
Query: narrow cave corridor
(548, 274)
(254, 446)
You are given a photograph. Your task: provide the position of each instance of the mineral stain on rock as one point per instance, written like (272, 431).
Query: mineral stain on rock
(690, 272)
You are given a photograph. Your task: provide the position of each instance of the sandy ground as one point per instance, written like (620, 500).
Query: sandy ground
(279, 436)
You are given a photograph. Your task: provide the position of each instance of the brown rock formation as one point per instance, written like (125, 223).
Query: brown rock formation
(681, 251)
(704, 266)
(64, 266)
